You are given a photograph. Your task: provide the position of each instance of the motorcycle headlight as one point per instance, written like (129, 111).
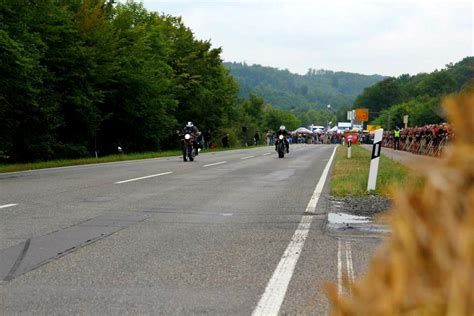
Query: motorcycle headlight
(280, 137)
(187, 136)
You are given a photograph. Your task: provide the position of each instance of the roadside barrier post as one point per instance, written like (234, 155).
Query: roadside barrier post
(349, 149)
(374, 163)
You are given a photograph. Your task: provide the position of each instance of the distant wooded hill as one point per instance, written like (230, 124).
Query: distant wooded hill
(289, 91)
(418, 96)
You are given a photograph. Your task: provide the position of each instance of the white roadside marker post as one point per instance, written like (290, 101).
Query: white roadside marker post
(349, 147)
(374, 163)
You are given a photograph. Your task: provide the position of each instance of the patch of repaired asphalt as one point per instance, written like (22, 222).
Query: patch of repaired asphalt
(356, 215)
(361, 206)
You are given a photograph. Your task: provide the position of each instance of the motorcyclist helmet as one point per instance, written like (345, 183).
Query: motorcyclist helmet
(189, 124)
(282, 128)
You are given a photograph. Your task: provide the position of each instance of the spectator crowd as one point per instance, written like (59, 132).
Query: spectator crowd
(426, 140)
(322, 137)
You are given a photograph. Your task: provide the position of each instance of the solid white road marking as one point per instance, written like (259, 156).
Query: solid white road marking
(266, 154)
(243, 158)
(146, 177)
(339, 268)
(7, 205)
(350, 267)
(272, 298)
(347, 250)
(319, 187)
(215, 164)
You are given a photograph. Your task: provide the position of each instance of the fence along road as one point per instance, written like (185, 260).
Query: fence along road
(179, 238)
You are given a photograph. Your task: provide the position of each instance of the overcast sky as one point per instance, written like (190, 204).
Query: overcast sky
(387, 37)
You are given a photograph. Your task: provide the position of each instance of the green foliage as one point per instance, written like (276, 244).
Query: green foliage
(421, 111)
(85, 76)
(379, 96)
(288, 91)
(274, 118)
(316, 117)
(418, 96)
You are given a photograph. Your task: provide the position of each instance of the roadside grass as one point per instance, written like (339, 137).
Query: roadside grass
(111, 158)
(350, 176)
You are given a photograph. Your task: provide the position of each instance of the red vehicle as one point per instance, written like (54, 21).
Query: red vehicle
(354, 137)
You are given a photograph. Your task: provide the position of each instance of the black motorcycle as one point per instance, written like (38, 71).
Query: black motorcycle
(187, 142)
(280, 146)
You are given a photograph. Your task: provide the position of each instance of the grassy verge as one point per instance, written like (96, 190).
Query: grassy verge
(93, 160)
(350, 176)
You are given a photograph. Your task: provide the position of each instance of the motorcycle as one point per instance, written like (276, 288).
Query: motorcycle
(187, 142)
(280, 146)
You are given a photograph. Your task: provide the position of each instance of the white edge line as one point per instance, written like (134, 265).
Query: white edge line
(215, 164)
(319, 187)
(348, 265)
(248, 157)
(146, 177)
(266, 154)
(349, 260)
(8, 205)
(275, 292)
(339, 268)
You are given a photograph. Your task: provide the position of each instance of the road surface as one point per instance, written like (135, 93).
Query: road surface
(236, 232)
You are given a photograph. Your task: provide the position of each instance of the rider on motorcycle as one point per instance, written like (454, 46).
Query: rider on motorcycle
(282, 131)
(193, 130)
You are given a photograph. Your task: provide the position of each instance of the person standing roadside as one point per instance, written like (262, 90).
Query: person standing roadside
(256, 138)
(396, 137)
(225, 141)
(207, 138)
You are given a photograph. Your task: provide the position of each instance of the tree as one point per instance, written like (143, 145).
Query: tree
(274, 118)
(419, 95)
(381, 95)
(316, 117)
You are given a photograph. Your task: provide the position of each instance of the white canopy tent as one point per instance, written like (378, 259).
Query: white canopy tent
(302, 130)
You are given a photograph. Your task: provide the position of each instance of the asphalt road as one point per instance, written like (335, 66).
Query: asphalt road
(231, 233)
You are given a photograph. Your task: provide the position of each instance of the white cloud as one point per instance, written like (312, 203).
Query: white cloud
(386, 37)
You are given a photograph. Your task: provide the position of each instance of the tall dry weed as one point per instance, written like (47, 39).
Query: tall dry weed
(426, 265)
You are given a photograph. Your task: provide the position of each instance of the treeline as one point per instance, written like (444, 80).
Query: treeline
(299, 93)
(85, 76)
(418, 96)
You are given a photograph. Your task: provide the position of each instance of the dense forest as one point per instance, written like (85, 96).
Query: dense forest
(289, 91)
(418, 96)
(84, 76)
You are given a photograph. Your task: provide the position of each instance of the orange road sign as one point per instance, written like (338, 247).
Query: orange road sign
(362, 115)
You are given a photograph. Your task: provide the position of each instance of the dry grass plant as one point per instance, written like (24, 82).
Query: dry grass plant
(426, 265)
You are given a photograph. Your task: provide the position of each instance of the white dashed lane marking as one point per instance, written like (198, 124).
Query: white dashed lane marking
(215, 164)
(7, 205)
(145, 177)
